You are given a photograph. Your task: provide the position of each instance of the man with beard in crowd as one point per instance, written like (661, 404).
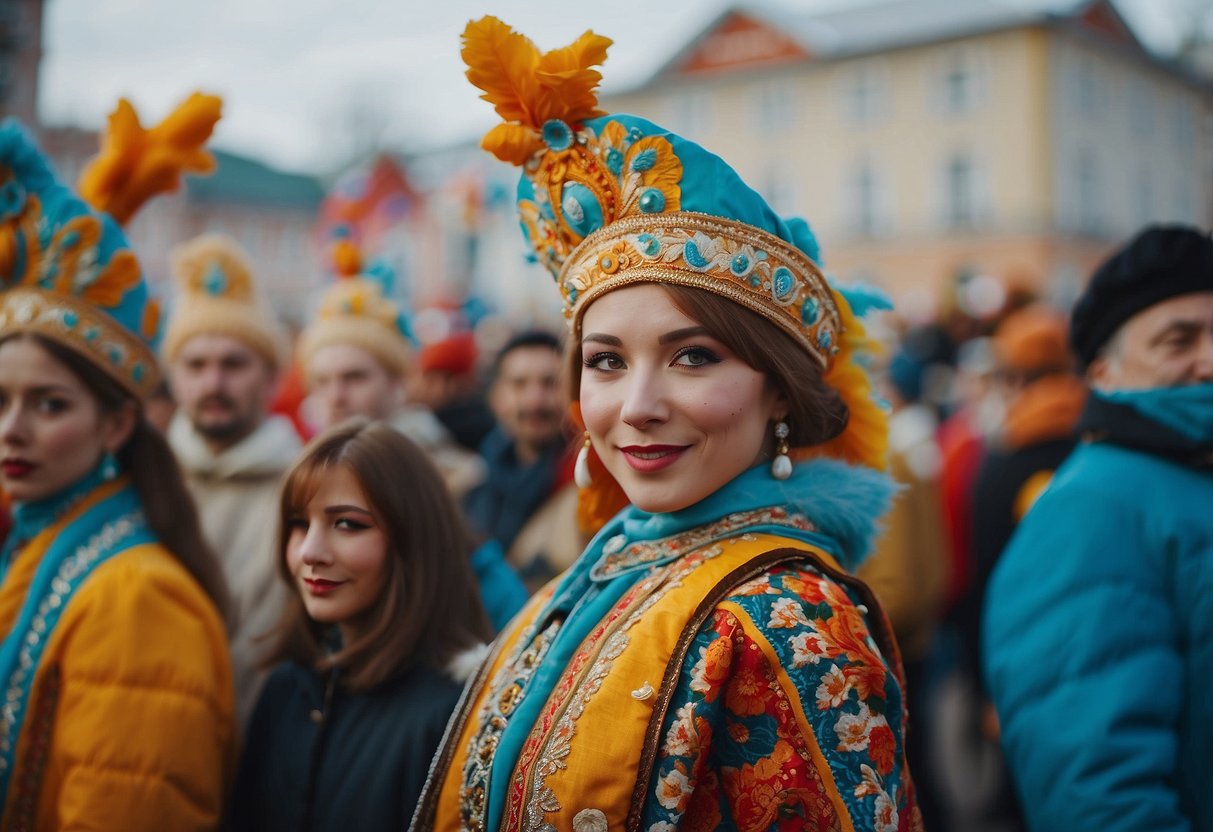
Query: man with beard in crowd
(1096, 644)
(224, 351)
(528, 503)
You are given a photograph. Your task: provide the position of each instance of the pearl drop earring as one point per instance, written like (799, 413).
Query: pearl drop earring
(781, 466)
(581, 470)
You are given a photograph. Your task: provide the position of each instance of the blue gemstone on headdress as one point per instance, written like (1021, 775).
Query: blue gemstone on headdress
(137, 373)
(581, 209)
(755, 280)
(740, 265)
(649, 245)
(557, 135)
(115, 355)
(12, 199)
(635, 134)
(614, 161)
(823, 339)
(809, 311)
(645, 160)
(652, 201)
(215, 281)
(92, 333)
(782, 283)
(70, 319)
(572, 294)
(694, 257)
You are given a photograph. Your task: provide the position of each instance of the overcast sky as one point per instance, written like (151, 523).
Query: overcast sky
(294, 75)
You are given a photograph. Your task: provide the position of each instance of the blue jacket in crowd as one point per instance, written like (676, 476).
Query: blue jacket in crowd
(1098, 631)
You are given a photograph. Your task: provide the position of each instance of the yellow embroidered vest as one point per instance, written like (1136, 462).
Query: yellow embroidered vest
(587, 762)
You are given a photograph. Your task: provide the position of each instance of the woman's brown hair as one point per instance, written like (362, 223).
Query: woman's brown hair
(154, 473)
(429, 609)
(816, 413)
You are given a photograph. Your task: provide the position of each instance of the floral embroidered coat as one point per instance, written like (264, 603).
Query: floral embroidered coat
(714, 668)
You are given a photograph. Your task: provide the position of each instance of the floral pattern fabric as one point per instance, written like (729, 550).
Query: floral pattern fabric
(787, 716)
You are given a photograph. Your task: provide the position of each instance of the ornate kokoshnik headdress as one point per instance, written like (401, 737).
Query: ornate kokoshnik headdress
(356, 310)
(66, 270)
(608, 201)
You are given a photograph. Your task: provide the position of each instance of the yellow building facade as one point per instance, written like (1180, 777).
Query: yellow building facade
(928, 139)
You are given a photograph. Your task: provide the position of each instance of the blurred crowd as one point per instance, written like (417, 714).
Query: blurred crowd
(380, 506)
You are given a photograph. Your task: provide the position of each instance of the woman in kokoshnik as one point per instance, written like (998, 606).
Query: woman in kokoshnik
(118, 708)
(710, 662)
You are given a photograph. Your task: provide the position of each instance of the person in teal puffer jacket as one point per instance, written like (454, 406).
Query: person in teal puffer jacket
(1098, 630)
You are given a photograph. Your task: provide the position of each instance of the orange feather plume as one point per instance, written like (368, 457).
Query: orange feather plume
(528, 88)
(136, 164)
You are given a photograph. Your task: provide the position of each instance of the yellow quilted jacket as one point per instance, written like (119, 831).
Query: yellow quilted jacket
(130, 724)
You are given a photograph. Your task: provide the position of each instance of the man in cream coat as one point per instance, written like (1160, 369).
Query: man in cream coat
(224, 350)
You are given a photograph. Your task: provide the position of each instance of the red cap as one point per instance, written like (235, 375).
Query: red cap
(455, 354)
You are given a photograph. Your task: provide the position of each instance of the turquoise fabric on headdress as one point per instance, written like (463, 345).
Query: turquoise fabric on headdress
(709, 186)
(62, 248)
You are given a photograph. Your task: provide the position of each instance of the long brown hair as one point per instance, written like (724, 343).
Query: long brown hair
(429, 609)
(154, 473)
(816, 413)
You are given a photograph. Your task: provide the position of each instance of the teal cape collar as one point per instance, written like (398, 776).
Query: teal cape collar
(31, 518)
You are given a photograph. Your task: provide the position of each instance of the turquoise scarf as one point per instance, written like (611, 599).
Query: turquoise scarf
(1186, 410)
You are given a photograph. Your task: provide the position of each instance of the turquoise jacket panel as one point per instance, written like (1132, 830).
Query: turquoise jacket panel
(1098, 645)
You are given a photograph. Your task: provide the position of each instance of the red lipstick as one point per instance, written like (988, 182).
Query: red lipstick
(319, 586)
(648, 459)
(15, 469)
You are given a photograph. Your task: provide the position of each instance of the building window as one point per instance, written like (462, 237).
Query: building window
(865, 94)
(1086, 87)
(776, 106)
(958, 81)
(1185, 123)
(1141, 109)
(958, 88)
(960, 192)
(1143, 199)
(690, 113)
(1087, 188)
(867, 198)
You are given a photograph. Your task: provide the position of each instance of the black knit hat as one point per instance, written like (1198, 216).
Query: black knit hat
(1161, 262)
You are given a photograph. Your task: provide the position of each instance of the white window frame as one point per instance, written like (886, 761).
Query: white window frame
(968, 62)
(865, 93)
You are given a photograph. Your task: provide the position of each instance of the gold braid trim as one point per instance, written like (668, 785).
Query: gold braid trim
(87, 330)
(745, 264)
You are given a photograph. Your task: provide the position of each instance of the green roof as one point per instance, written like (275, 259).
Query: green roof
(243, 180)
